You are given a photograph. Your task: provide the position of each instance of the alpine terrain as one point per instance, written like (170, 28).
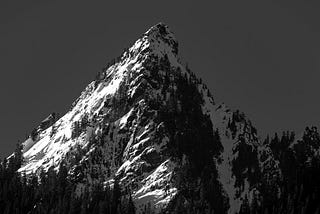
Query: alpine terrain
(146, 136)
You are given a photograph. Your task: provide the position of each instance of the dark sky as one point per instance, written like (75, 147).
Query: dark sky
(261, 57)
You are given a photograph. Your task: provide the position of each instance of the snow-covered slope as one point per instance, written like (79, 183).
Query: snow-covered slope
(116, 128)
(113, 111)
(55, 141)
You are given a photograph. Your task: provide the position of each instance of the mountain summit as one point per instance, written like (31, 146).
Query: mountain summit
(150, 125)
(162, 32)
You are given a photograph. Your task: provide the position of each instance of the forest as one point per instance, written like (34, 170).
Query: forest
(55, 192)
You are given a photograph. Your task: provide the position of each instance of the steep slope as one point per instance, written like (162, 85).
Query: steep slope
(113, 125)
(143, 121)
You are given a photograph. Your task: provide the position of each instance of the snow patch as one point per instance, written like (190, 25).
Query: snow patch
(156, 189)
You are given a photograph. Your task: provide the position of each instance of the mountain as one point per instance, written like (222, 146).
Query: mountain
(149, 125)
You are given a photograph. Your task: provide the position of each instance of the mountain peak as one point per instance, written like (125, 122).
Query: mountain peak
(160, 30)
(159, 40)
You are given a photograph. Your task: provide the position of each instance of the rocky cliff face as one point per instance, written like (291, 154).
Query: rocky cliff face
(148, 121)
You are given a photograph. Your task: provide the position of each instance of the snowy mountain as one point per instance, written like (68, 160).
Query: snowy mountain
(150, 123)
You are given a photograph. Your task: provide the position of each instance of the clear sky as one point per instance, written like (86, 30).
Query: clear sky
(261, 57)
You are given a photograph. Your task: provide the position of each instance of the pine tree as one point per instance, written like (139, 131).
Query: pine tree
(245, 208)
(116, 194)
(130, 207)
